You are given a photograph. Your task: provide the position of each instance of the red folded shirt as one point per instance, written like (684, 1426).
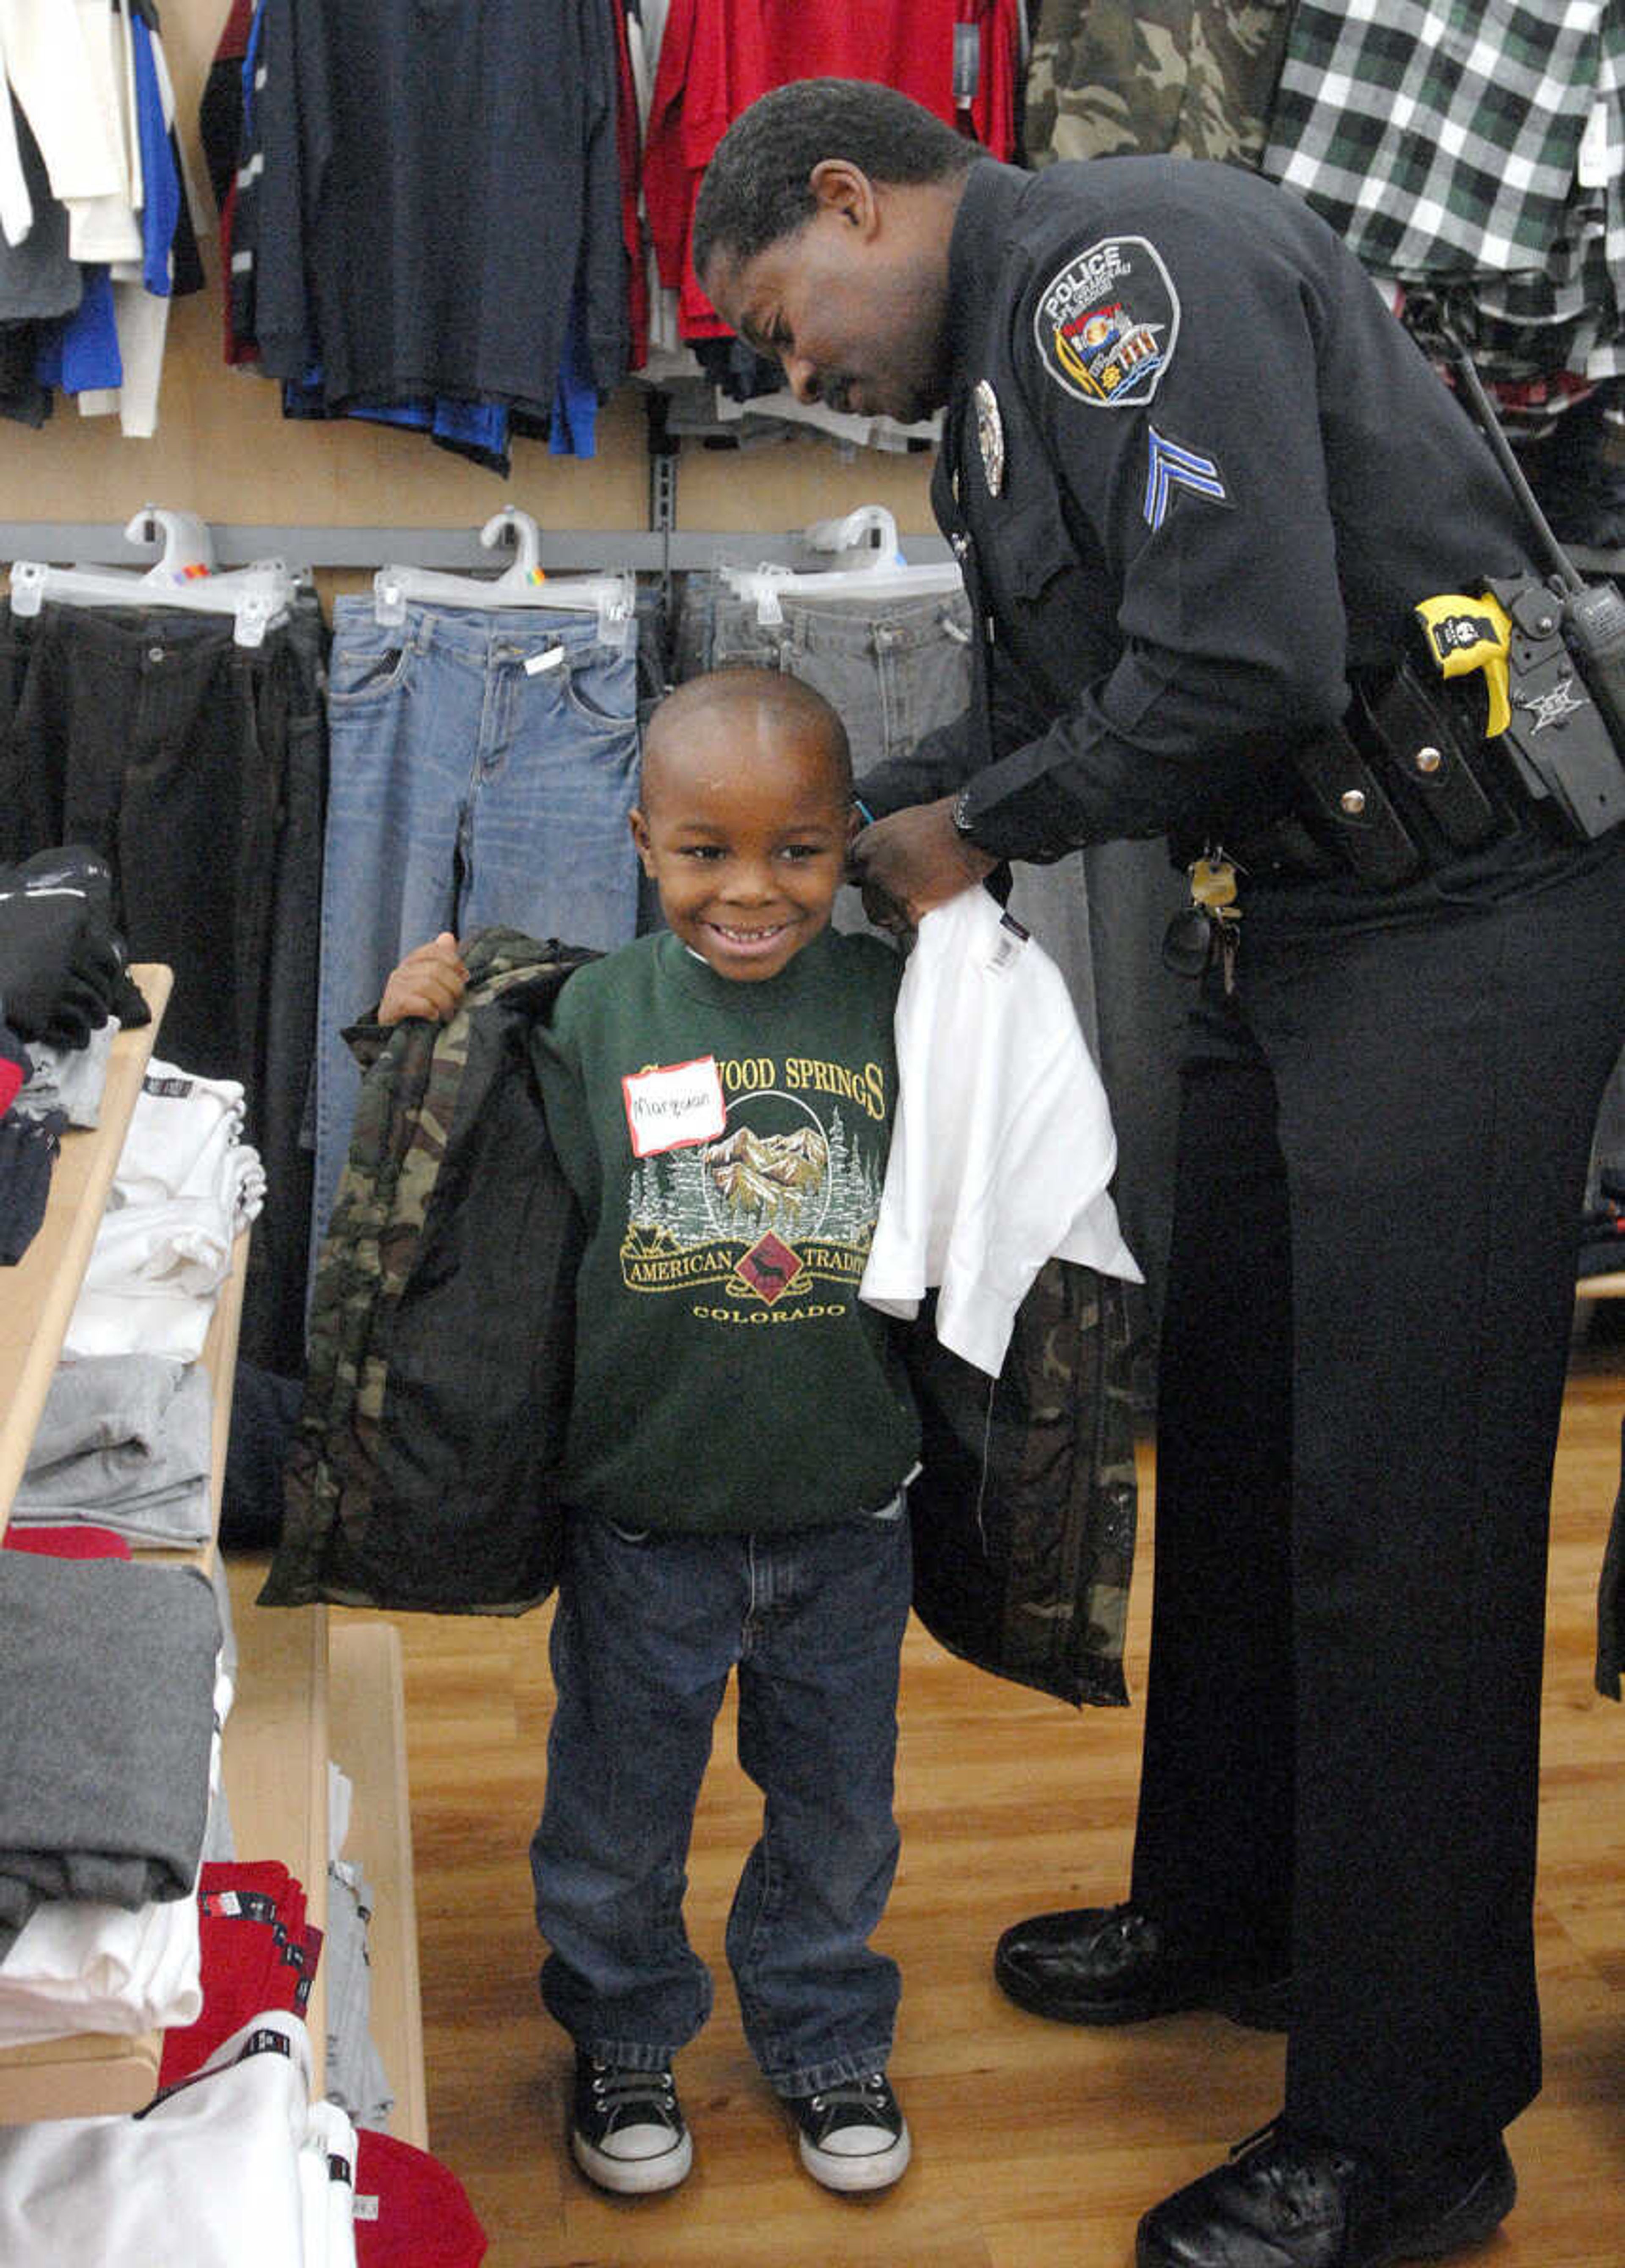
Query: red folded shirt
(257, 1951)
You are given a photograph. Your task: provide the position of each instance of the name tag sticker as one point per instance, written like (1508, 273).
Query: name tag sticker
(672, 1106)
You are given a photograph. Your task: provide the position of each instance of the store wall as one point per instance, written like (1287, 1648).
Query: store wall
(224, 451)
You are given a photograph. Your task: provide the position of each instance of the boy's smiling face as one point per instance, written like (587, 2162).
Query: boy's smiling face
(743, 826)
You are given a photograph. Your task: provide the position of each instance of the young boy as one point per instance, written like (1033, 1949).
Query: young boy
(721, 1096)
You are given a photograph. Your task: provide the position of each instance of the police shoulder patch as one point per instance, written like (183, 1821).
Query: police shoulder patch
(1106, 323)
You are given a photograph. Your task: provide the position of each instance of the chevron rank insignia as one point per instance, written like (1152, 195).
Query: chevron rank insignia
(1169, 466)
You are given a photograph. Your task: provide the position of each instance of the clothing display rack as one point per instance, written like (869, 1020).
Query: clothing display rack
(301, 1691)
(559, 551)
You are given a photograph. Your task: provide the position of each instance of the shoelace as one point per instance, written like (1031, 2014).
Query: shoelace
(617, 2090)
(857, 2095)
(1281, 2162)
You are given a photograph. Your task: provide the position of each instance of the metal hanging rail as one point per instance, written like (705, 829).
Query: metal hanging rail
(562, 550)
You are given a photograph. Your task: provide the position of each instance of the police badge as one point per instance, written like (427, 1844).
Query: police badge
(990, 435)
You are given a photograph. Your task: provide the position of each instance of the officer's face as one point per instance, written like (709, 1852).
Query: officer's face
(850, 305)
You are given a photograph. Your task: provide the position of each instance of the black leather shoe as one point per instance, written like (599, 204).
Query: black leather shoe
(1282, 2201)
(1114, 1965)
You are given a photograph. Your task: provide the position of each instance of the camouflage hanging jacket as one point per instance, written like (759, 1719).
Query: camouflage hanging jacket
(1024, 1512)
(1194, 79)
(441, 1328)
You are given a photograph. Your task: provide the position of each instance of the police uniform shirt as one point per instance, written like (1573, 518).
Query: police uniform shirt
(1170, 469)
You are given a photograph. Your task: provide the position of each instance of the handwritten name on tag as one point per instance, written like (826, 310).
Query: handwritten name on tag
(672, 1106)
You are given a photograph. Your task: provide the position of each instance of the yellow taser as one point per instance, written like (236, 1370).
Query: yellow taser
(1465, 634)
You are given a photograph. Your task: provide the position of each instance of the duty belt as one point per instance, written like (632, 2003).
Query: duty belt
(1385, 796)
(1406, 784)
(1507, 716)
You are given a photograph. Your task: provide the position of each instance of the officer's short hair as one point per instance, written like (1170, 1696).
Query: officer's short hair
(756, 188)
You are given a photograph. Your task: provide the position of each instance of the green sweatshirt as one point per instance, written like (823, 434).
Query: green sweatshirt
(728, 1143)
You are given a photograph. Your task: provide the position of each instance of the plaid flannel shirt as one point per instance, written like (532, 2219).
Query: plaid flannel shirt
(1444, 146)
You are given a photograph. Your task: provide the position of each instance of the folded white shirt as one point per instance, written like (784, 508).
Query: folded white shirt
(328, 2183)
(76, 1966)
(177, 1245)
(157, 1267)
(209, 2175)
(179, 1129)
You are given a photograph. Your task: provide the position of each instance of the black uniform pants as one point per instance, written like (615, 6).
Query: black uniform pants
(1382, 1157)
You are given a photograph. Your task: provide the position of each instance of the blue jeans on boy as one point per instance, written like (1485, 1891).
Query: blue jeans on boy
(646, 1630)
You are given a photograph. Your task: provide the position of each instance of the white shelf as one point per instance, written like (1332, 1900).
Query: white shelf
(311, 1687)
(87, 2075)
(293, 1707)
(1611, 1287)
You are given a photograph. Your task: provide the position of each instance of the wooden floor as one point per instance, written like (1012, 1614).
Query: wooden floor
(1036, 2146)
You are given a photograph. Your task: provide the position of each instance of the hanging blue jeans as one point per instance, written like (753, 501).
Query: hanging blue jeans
(481, 766)
(646, 1632)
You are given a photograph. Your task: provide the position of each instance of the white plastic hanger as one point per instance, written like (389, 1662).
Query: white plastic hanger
(523, 584)
(880, 570)
(184, 575)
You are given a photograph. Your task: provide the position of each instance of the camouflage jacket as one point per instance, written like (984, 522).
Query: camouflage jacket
(1024, 1513)
(1195, 78)
(441, 1330)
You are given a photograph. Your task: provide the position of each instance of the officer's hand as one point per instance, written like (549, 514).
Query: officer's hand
(912, 861)
(429, 982)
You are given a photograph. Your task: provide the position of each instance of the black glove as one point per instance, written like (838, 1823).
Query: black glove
(59, 963)
(77, 866)
(80, 868)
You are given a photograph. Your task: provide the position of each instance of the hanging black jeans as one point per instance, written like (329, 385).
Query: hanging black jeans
(196, 766)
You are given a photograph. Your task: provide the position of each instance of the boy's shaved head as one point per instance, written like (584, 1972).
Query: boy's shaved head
(744, 815)
(735, 710)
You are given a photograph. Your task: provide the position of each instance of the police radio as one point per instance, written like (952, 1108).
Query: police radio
(1532, 637)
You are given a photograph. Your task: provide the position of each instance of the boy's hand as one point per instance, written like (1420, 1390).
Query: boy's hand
(429, 982)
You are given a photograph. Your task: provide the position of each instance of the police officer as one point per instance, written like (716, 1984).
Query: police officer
(1198, 480)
